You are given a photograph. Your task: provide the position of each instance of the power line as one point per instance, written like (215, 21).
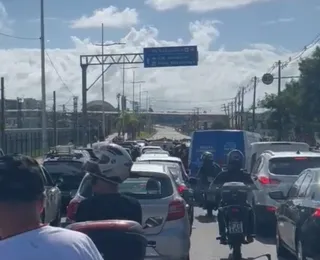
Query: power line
(61, 79)
(314, 42)
(19, 37)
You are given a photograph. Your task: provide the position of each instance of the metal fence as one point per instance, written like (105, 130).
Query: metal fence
(29, 140)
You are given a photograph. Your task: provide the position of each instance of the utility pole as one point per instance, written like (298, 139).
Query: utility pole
(239, 110)
(43, 82)
(236, 112)
(3, 119)
(279, 110)
(19, 113)
(54, 119)
(133, 90)
(140, 98)
(123, 85)
(232, 115)
(102, 84)
(242, 108)
(76, 119)
(254, 104)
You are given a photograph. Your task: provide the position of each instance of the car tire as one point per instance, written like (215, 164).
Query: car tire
(57, 221)
(280, 249)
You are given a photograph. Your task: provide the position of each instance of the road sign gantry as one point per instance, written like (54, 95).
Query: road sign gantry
(172, 56)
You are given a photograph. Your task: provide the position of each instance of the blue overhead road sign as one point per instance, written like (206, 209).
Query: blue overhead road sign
(170, 56)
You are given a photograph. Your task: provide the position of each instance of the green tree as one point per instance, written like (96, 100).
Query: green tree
(128, 123)
(297, 104)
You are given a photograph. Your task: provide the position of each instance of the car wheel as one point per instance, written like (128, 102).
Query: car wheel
(281, 250)
(57, 221)
(299, 251)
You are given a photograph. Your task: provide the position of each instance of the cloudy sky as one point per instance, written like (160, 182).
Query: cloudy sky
(237, 39)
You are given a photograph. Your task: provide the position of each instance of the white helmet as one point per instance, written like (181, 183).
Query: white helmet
(113, 163)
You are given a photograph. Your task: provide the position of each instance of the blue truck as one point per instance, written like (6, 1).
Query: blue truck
(220, 143)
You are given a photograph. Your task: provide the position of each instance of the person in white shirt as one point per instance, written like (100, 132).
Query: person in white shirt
(22, 235)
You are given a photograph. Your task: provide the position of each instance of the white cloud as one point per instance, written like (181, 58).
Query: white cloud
(218, 76)
(200, 5)
(111, 17)
(280, 20)
(5, 22)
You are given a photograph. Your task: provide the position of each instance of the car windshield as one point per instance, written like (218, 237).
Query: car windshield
(174, 167)
(64, 167)
(292, 165)
(151, 149)
(140, 186)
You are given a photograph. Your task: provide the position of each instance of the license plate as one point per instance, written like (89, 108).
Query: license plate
(235, 228)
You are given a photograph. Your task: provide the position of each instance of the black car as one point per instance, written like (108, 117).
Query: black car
(298, 217)
(68, 169)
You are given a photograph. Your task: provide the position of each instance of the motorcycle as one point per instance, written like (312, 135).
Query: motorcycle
(119, 239)
(235, 213)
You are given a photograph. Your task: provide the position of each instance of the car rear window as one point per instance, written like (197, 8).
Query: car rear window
(292, 165)
(63, 167)
(138, 186)
(150, 149)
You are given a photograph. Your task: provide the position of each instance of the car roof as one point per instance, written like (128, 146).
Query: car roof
(152, 146)
(278, 143)
(146, 167)
(286, 154)
(159, 157)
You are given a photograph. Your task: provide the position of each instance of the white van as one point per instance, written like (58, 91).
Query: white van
(257, 148)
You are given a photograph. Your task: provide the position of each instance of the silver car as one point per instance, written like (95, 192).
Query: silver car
(155, 189)
(277, 171)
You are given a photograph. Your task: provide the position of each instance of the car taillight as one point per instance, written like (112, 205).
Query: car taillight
(72, 209)
(271, 209)
(266, 181)
(234, 210)
(176, 211)
(316, 213)
(181, 188)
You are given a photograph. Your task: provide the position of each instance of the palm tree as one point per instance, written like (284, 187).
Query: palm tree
(128, 123)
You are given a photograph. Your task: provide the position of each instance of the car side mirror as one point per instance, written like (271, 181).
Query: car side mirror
(277, 195)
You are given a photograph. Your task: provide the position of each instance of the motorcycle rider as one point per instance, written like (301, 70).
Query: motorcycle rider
(208, 169)
(111, 169)
(234, 173)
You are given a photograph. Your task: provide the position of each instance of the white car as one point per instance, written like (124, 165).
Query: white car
(155, 189)
(148, 148)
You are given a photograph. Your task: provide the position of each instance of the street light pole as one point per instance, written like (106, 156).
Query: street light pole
(43, 82)
(102, 84)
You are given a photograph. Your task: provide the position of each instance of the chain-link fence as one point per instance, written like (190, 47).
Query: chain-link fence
(29, 140)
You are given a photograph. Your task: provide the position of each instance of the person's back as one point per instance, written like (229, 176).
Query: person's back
(111, 168)
(115, 206)
(48, 243)
(23, 236)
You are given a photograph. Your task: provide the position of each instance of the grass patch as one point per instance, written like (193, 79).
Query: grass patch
(146, 135)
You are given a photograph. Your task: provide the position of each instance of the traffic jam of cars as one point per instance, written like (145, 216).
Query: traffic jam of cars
(286, 200)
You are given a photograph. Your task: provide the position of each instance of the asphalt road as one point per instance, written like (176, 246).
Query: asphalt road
(167, 132)
(204, 245)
